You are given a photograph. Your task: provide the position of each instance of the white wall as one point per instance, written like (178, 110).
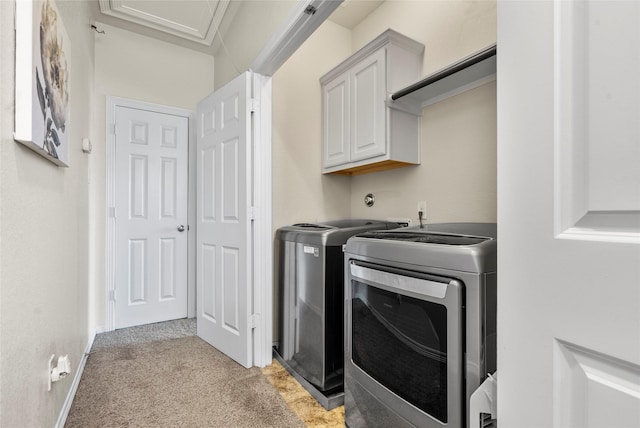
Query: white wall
(300, 192)
(449, 29)
(132, 66)
(44, 239)
(457, 175)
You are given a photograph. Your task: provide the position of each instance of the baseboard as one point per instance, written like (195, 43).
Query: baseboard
(66, 406)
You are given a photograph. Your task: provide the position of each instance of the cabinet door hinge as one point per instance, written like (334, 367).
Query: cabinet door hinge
(251, 214)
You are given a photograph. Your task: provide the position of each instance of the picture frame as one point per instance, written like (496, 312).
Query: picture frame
(42, 95)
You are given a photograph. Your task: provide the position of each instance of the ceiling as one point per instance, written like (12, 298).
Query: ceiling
(195, 24)
(352, 12)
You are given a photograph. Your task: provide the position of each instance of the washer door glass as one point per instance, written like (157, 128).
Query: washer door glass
(401, 342)
(405, 331)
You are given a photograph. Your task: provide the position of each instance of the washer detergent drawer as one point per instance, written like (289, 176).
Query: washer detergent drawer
(405, 344)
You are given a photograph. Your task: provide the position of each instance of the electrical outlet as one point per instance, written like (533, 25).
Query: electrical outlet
(422, 206)
(49, 372)
(59, 372)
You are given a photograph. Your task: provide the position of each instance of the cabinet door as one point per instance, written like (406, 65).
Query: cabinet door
(335, 99)
(368, 95)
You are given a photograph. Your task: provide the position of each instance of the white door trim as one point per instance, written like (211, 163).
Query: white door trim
(263, 226)
(112, 104)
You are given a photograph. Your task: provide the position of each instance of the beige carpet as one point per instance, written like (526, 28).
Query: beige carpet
(174, 383)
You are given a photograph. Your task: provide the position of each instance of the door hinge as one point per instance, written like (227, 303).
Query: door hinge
(254, 320)
(112, 212)
(113, 128)
(251, 213)
(112, 295)
(253, 105)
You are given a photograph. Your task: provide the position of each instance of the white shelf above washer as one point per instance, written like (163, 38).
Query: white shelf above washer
(468, 73)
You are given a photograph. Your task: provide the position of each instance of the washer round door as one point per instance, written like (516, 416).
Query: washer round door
(404, 352)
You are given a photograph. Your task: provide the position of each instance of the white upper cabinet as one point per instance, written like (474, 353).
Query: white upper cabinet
(363, 131)
(336, 130)
(367, 107)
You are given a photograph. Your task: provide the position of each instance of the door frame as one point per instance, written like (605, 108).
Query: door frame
(112, 104)
(262, 233)
(262, 280)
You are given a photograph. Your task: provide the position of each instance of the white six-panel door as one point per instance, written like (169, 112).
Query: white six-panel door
(151, 216)
(569, 214)
(224, 240)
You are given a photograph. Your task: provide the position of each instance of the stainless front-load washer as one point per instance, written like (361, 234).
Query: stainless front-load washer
(420, 324)
(311, 295)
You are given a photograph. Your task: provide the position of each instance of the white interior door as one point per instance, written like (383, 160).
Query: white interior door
(151, 216)
(224, 264)
(569, 214)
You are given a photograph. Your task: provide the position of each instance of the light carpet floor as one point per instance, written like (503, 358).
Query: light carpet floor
(161, 375)
(146, 333)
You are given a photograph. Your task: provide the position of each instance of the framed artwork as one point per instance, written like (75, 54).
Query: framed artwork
(42, 80)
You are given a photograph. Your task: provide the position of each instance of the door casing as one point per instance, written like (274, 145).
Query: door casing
(112, 104)
(262, 224)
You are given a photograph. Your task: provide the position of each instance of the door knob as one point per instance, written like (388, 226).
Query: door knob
(181, 228)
